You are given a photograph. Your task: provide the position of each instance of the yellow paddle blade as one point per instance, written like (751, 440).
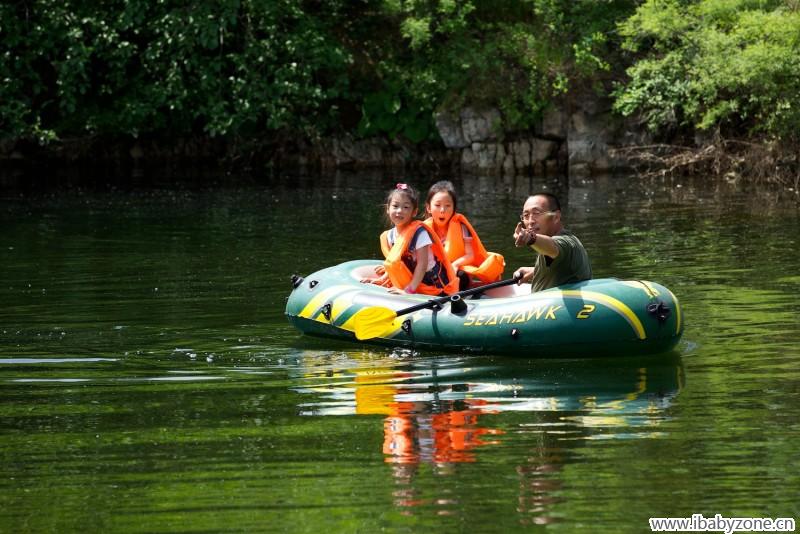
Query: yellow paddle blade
(372, 322)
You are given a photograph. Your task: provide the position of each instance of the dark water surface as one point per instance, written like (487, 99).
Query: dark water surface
(149, 381)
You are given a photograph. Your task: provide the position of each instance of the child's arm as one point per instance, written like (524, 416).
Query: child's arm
(468, 256)
(382, 280)
(419, 270)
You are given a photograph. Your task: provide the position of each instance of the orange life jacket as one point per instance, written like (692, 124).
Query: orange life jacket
(486, 266)
(399, 273)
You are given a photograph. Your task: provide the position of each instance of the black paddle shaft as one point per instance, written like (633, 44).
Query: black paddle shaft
(466, 293)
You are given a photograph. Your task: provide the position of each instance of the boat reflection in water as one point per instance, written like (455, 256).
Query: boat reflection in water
(444, 411)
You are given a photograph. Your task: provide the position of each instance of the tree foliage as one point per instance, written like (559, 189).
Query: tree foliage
(729, 65)
(517, 56)
(75, 68)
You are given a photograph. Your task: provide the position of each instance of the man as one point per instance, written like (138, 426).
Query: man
(560, 256)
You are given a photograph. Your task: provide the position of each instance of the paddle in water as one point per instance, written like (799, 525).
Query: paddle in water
(375, 320)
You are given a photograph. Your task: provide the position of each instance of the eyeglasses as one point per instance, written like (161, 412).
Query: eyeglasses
(533, 214)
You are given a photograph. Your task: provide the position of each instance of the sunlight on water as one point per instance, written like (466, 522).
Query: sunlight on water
(177, 378)
(65, 380)
(12, 361)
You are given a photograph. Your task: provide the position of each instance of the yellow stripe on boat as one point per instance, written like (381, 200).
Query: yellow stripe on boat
(314, 306)
(616, 305)
(644, 285)
(651, 287)
(342, 303)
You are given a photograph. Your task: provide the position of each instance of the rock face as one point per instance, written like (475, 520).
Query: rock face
(485, 148)
(348, 152)
(589, 134)
(576, 137)
(450, 131)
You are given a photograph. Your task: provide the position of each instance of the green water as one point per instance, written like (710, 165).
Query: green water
(149, 381)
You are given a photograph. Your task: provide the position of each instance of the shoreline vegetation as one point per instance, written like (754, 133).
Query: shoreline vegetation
(758, 164)
(526, 87)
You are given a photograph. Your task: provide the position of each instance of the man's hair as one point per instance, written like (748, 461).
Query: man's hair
(552, 200)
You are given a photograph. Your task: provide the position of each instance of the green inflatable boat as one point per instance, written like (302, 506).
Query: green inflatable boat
(602, 317)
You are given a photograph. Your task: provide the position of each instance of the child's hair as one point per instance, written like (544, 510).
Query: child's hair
(403, 189)
(443, 186)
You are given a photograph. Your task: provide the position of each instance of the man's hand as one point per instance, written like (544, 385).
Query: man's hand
(524, 274)
(522, 236)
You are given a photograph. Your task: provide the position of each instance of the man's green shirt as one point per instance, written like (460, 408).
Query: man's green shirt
(571, 265)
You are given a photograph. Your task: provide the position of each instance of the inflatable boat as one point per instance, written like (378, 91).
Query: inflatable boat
(601, 317)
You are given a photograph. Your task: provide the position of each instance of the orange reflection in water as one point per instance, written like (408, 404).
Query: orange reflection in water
(419, 431)
(448, 436)
(432, 423)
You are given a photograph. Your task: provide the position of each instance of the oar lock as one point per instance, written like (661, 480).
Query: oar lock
(297, 280)
(457, 304)
(659, 310)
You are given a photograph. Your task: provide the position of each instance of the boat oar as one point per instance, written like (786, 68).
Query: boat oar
(373, 321)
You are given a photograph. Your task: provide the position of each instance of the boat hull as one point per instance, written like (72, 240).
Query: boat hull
(600, 317)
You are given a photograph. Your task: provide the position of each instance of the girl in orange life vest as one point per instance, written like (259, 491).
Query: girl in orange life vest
(461, 243)
(415, 259)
